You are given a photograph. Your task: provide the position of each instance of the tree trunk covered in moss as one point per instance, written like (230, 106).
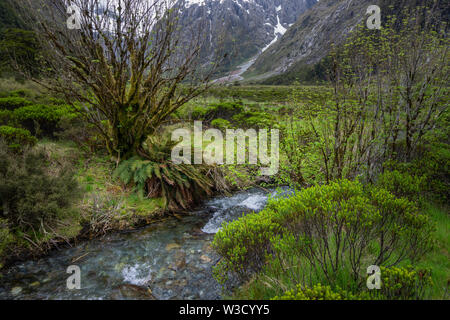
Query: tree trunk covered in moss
(125, 75)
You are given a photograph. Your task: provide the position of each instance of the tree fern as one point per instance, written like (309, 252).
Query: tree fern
(181, 186)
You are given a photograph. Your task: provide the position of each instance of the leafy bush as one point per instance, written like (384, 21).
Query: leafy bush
(221, 124)
(435, 167)
(333, 231)
(5, 238)
(402, 283)
(11, 103)
(33, 195)
(253, 119)
(401, 184)
(244, 243)
(41, 118)
(396, 284)
(17, 138)
(432, 169)
(300, 164)
(317, 292)
(5, 117)
(225, 110)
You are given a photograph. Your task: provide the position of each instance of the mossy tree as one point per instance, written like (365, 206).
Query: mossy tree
(123, 67)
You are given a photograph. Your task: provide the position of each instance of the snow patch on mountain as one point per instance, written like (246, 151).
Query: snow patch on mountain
(278, 32)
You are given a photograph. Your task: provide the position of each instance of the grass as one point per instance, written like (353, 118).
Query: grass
(267, 94)
(439, 260)
(94, 173)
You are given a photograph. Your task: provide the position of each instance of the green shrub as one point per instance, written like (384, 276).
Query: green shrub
(432, 169)
(300, 165)
(243, 244)
(221, 124)
(5, 238)
(317, 292)
(224, 110)
(253, 119)
(434, 166)
(17, 138)
(334, 231)
(5, 117)
(41, 118)
(34, 195)
(396, 284)
(199, 112)
(402, 184)
(19, 93)
(402, 284)
(11, 103)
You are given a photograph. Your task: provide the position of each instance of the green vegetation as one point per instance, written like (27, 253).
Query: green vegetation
(325, 234)
(13, 102)
(366, 156)
(366, 162)
(31, 198)
(397, 284)
(17, 138)
(180, 186)
(36, 201)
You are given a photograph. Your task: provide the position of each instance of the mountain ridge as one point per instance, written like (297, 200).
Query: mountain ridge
(310, 38)
(247, 27)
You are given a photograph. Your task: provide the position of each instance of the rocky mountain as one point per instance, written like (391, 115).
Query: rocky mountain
(247, 27)
(308, 41)
(311, 37)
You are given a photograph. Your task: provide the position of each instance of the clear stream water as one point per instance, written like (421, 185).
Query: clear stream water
(172, 259)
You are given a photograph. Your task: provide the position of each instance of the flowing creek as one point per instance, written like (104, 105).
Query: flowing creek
(172, 259)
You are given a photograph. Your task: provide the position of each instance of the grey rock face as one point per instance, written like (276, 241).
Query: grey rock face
(311, 37)
(247, 27)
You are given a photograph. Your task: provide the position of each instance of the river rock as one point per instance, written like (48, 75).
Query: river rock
(160, 273)
(181, 283)
(187, 236)
(132, 291)
(205, 259)
(197, 231)
(180, 261)
(171, 246)
(207, 247)
(16, 290)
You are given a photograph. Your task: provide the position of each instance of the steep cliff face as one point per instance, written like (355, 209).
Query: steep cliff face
(311, 37)
(326, 23)
(247, 27)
